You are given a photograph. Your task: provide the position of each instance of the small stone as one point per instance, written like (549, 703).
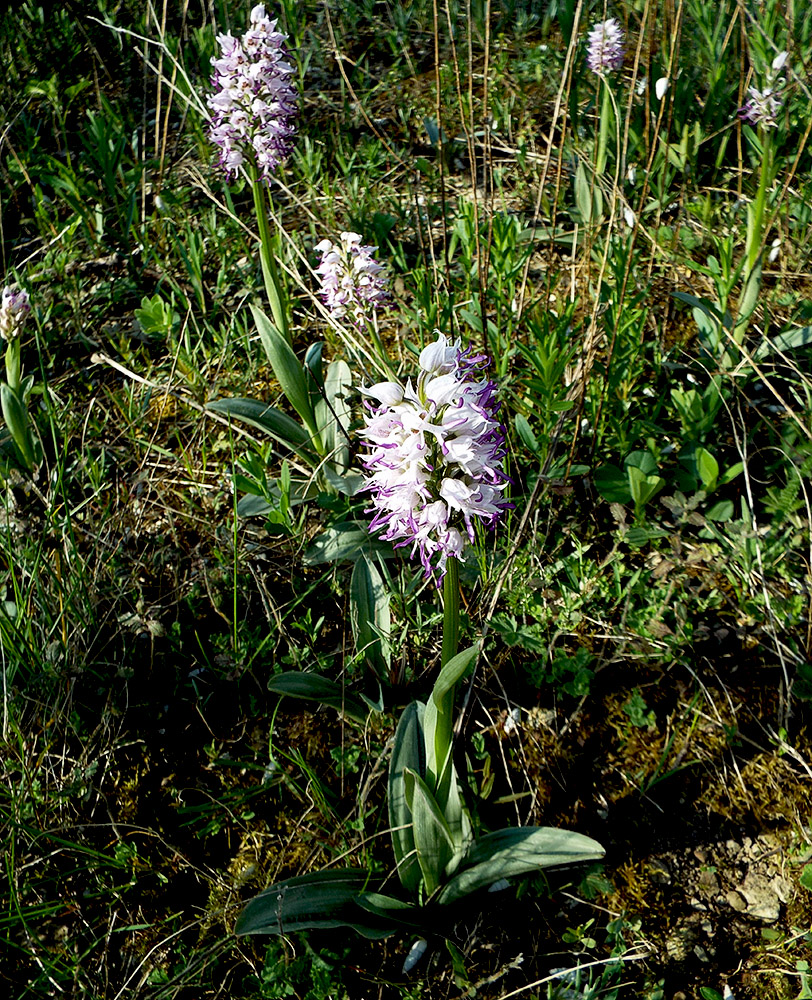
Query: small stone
(781, 888)
(701, 855)
(700, 953)
(660, 871)
(736, 901)
(733, 846)
(695, 904)
(709, 881)
(762, 902)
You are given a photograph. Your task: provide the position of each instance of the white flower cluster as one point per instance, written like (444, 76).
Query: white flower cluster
(254, 103)
(351, 279)
(762, 107)
(605, 47)
(437, 455)
(14, 307)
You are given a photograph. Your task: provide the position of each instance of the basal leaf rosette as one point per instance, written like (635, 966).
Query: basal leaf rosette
(437, 452)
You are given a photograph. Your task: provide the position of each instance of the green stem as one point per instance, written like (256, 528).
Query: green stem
(451, 611)
(444, 726)
(607, 116)
(270, 272)
(13, 365)
(755, 235)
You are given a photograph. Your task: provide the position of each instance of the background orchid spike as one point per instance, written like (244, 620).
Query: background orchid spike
(437, 454)
(605, 51)
(351, 279)
(762, 107)
(14, 308)
(254, 104)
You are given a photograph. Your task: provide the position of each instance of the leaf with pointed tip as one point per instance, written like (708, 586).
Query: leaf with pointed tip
(270, 421)
(325, 899)
(409, 752)
(432, 837)
(518, 851)
(441, 703)
(369, 615)
(335, 422)
(345, 540)
(314, 687)
(289, 372)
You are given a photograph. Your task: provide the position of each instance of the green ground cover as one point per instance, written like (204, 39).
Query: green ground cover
(632, 254)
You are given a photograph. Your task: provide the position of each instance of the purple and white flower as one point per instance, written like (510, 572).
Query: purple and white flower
(14, 307)
(352, 281)
(605, 47)
(436, 455)
(254, 104)
(762, 107)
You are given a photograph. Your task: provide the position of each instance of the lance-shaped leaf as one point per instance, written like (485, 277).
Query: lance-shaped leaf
(369, 615)
(321, 900)
(432, 837)
(314, 687)
(16, 418)
(289, 372)
(436, 724)
(333, 413)
(518, 851)
(393, 910)
(408, 752)
(345, 540)
(270, 421)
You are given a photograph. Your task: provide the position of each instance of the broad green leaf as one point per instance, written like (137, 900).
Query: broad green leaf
(642, 460)
(345, 540)
(252, 505)
(313, 362)
(707, 467)
(708, 308)
(348, 483)
(518, 851)
(612, 483)
(326, 899)
(289, 372)
(458, 820)
(270, 421)
(314, 687)
(748, 299)
(335, 423)
(16, 418)
(390, 908)
(721, 511)
(525, 432)
(441, 703)
(409, 752)
(788, 340)
(432, 837)
(369, 615)
(641, 486)
(588, 197)
(730, 473)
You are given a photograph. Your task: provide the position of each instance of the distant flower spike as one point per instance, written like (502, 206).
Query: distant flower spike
(351, 279)
(762, 107)
(14, 307)
(254, 103)
(605, 47)
(437, 454)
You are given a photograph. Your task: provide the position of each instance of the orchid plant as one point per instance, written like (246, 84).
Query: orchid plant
(14, 392)
(435, 467)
